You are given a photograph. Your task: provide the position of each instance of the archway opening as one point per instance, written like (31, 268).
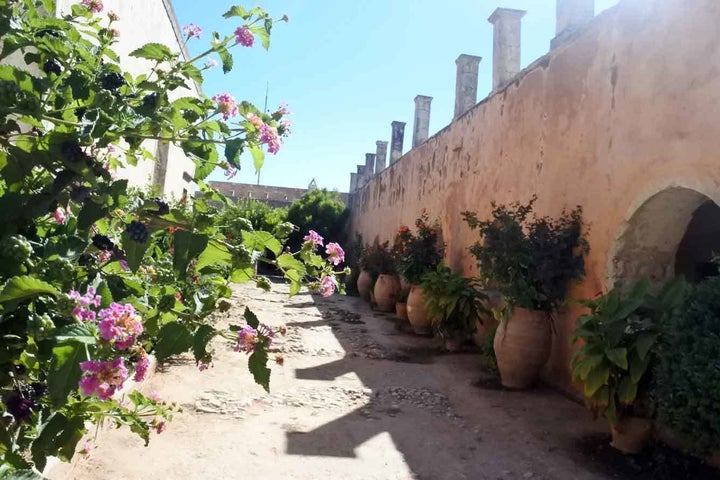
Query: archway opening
(674, 232)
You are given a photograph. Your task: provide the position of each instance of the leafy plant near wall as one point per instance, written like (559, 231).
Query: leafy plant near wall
(620, 339)
(255, 215)
(688, 374)
(529, 259)
(420, 252)
(378, 259)
(95, 277)
(454, 302)
(319, 210)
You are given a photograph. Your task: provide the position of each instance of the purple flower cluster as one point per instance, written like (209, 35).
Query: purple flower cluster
(269, 136)
(327, 285)
(248, 339)
(102, 378)
(226, 105)
(94, 6)
(142, 366)
(192, 30)
(120, 325)
(82, 311)
(314, 237)
(244, 37)
(335, 253)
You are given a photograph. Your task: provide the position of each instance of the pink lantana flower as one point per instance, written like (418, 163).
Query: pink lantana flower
(60, 216)
(202, 366)
(192, 30)
(284, 110)
(94, 6)
(285, 18)
(226, 105)
(142, 366)
(87, 448)
(255, 120)
(269, 136)
(102, 378)
(82, 311)
(120, 325)
(230, 172)
(314, 237)
(327, 286)
(160, 427)
(248, 338)
(156, 397)
(114, 17)
(244, 37)
(211, 63)
(336, 253)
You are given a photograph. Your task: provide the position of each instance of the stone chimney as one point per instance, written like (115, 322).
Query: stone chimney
(571, 16)
(380, 156)
(421, 128)
(396, 144)
(361, 178)
(466, 83)
(506, 45)
(369, 166)
(353, 182)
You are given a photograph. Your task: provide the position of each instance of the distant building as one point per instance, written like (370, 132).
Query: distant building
(273, 196)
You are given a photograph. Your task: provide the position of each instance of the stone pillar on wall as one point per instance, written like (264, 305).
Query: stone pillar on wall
(353, 182)
(572, 15)
(421, 127)
(361, 177)
(380, 156)
(396, 144)
(466, 83)
(506, 44)
(369, 166)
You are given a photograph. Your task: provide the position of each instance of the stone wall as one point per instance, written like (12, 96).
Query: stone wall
(274, 196)
(620, 118)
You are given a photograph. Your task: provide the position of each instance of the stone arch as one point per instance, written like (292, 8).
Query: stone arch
(648, 242)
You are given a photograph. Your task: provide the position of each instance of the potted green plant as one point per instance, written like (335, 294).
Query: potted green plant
(531, 261)
(416, 255)
(379, 262)
(401, 297)
(620, 335)
(455, 303)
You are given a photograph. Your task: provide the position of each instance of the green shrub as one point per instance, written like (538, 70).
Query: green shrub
(321, 211)
(688, 374)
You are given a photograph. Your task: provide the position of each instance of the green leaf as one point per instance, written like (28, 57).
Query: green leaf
(134, 251)
(58, 437)
(638, 367)
(153, 51)
(596, 379)
(203, 335)
(91, 212)
(258, 157)
(173, 339)
(618, 356)
(19, 289)
(233, 149)
(251, 318)
(257, 364)
(260, 240)
(242, 275)
(288, 262)
(75, 333)
(23, 475)
(225, 57)
(65, 371)
(237, 11)
(627, 390)
(188, 246)
(215, 254)
(644, 343)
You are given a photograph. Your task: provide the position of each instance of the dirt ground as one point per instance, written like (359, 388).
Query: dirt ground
(358, 397)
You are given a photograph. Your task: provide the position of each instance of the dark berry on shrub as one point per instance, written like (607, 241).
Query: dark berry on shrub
(72, 151)
(20, 369)
(80, 193)
(118, 253)
(112, 81)
(80, 112)
(38, 389)
(150, 100)
(102, 242)
(51, 66)
(138, 231)
(163, 207)
(19, 407)
(85, 259)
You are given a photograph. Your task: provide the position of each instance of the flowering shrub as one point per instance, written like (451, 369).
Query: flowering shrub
(421, 252)
(95, 278)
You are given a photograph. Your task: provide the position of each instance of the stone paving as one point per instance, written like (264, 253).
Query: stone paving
(358, 397)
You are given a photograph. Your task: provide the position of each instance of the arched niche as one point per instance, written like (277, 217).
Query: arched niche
(667, 236)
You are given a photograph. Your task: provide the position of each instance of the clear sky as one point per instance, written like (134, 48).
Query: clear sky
(349, 68)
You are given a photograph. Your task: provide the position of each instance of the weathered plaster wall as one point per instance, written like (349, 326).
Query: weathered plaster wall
(627, 109)
(142, 22)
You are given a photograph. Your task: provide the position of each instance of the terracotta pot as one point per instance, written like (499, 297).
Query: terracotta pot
(522, 346)
(385, 289)
(364, 282)
(489, 322)
(401, 310)
(417, 311)
(631, 434)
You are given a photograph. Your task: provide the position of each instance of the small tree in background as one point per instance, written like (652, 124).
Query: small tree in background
(321, 211)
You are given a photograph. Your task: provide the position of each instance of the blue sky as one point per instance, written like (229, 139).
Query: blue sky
(347, 69)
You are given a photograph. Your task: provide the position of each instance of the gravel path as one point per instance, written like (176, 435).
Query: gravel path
(358, 397)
